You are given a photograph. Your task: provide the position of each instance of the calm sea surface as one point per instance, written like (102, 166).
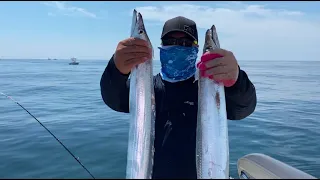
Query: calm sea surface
(285, 124)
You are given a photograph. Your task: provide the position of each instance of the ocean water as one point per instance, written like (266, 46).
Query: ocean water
(285, 124)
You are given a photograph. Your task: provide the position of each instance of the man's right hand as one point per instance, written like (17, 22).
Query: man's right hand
(131, 52)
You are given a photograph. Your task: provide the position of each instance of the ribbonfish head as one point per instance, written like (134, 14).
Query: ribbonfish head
(138, 29)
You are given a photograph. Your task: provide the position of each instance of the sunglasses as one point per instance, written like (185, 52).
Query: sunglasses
(187, 42)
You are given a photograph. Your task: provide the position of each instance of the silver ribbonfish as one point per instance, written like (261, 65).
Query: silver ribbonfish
(212, 128)
(142, 110)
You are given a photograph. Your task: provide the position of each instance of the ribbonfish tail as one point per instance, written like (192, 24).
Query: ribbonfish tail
(142, 111)
(212, 129)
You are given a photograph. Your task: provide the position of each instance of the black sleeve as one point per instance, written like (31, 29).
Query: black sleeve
(115, 88)
(241, 98)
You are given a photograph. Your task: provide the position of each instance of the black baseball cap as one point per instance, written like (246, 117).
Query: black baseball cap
(180, 24)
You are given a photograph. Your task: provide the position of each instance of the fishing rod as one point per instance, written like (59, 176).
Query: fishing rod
(77, 159)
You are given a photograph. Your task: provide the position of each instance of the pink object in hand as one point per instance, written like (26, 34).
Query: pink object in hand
(202, 67)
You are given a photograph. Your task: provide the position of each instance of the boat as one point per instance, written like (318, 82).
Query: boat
(74, 61)
(261, 166)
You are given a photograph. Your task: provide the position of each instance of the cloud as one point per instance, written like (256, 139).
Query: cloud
(251, 31)
(63, 9)
(51, 14)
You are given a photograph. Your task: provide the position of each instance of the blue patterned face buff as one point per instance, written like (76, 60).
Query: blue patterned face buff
(178, 63)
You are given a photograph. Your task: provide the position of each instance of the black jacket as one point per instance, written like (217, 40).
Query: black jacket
(176, 116)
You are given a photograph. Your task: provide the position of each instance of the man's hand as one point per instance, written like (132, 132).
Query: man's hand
(219, 65)
(131, 52)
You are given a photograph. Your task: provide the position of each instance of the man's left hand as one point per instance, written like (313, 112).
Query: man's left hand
(219, 65)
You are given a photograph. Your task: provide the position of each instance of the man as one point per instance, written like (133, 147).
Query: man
(176, 92)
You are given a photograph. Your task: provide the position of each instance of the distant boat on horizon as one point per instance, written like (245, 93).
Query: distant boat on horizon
(74, 61)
